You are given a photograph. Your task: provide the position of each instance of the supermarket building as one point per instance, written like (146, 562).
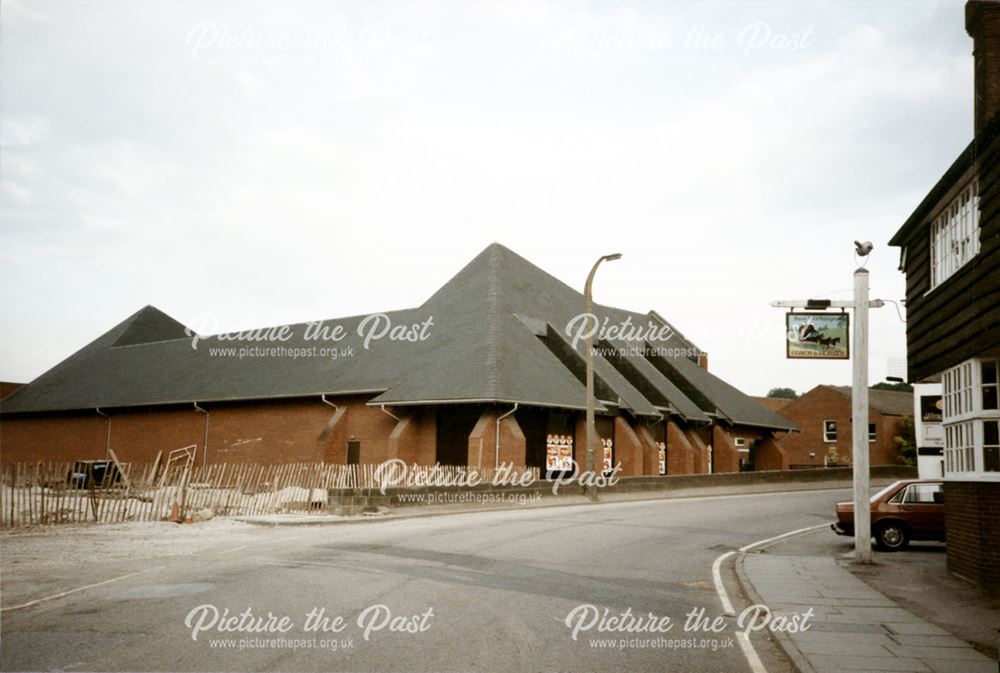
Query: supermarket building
(490, 369)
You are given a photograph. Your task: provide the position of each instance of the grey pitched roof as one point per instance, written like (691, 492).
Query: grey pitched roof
(732, 404)
(889, 402)
(497, 335)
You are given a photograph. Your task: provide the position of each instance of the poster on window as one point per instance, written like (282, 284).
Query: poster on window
(609, 446)
(817, 336)
(558, 452)
(930, 408)
(663, 456)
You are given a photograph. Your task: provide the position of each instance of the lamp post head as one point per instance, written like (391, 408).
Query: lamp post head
(615, 256)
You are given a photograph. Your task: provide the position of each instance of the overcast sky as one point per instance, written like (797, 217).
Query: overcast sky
(246, 164)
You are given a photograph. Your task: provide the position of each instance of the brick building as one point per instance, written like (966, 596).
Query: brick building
(489, 369)
(823, 416)
(950, 253)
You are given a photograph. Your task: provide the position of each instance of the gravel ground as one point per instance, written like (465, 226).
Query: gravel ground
(98, 544)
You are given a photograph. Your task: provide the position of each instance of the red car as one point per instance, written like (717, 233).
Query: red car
(907, 510)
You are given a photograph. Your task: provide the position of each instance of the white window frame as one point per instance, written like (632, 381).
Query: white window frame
(993, 445)
(964, 418)
(954, 234)
(872, 432)
(994, 385)
(826, 435)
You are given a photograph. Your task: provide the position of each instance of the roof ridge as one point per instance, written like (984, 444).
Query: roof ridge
(148, 325)
(493, 318)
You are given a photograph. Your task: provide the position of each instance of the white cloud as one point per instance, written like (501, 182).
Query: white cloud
(361, 165)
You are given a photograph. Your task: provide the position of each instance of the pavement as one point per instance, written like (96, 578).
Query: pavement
(855, 628)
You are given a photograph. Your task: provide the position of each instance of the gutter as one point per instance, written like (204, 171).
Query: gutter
(497, 445)
(204, 460)
(107, 445)
(482, 400)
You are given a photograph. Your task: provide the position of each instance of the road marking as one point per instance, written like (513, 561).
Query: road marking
(753, 659)
(727, 606)
(769, 540)
(63, 594)
(756, 665)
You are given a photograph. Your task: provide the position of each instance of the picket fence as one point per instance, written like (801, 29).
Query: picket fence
(47, 493)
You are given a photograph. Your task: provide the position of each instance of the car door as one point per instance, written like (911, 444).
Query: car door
(923, 508)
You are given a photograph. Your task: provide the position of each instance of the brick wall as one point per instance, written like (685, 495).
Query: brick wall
(770, 456)
(309, 430)
(821, 403)
(413, 438)
(483, 441)
(680, 453)
(628, 448)
(273, 431)
(972, 522)
(726, 455)
(61, 439)
(137, 437)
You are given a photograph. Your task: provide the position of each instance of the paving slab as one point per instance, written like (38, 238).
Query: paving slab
(854, 628)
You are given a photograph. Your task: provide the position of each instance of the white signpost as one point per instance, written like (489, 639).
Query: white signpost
(859, 398)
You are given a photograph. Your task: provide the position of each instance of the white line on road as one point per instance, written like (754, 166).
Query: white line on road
(756, 665)
(761, 543)
(753, 659)
(62, 594)
(727, 606)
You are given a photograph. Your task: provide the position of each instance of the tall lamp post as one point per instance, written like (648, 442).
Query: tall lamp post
(591, 427)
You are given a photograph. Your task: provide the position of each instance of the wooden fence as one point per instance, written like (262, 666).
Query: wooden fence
(54, 493)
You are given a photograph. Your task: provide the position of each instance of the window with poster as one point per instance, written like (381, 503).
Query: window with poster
(609, 453)
(559, 443)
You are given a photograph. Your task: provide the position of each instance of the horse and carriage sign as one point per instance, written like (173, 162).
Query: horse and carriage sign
(817, 336)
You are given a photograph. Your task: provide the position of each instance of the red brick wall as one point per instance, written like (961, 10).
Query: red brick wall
(413, 438)
(307, 430)
(808, 413)
(137, 437)
(680, 453)
(650, 451)
(62, 439)
(272, 431)
(699, 439)
(628, 448)
(483, 441)
(972, 522)
(726, 455)
(770, 456)
(605, 430)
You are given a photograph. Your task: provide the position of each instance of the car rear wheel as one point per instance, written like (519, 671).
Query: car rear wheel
(892, 536)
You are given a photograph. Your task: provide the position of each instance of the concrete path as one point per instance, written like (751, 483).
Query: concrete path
(855, 628)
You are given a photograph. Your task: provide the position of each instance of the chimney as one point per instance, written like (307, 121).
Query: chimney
(703, 360)
(982, 22)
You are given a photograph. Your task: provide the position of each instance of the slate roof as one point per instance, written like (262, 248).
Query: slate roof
(498, 335)
(889, 402)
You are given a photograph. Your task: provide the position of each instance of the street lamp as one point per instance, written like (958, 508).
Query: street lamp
(591, 427)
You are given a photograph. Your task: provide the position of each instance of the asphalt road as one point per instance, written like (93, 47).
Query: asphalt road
(487, 591)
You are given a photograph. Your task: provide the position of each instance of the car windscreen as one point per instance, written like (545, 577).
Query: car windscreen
(884, 491)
